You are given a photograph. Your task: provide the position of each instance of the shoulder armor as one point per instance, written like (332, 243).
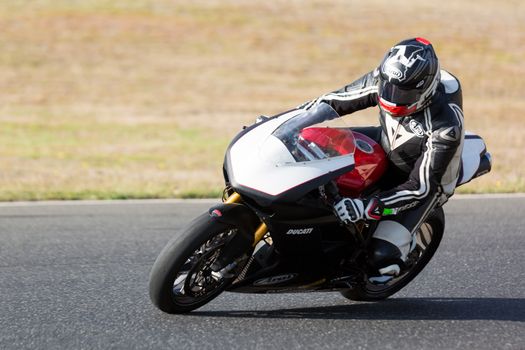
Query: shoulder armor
(450, 82)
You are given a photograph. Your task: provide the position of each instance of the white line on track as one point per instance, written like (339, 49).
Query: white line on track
(108, 202)
(488, 196)
(207, 200)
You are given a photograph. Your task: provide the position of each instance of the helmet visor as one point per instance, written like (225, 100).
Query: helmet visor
(397, 95)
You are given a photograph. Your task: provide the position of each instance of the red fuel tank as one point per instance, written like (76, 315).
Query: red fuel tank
(370, 159)
(370, 165)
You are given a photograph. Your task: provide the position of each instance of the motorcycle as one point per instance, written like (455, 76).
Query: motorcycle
(275, 231)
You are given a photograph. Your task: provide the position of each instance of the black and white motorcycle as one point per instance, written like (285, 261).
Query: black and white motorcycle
(275, 230)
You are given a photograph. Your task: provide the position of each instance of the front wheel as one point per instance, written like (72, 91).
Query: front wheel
(181, 279)
(428, 238)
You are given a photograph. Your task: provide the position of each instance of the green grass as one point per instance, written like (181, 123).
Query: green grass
(139, 99)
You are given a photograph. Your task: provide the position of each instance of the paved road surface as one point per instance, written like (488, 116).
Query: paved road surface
(76, 276)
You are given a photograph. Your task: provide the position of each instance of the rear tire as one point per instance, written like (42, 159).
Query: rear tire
(180, 280)
(429, 236)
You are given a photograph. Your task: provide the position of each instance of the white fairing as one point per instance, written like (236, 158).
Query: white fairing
(470, 158)
(260, 161)
(277, 155)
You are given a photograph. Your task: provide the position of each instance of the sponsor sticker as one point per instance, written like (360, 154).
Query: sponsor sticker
(364, 146)
(268, 281)
(416, 128)
(402, 58)
(300, 231)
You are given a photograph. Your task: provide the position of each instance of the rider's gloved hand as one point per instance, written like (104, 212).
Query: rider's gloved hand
(352, 210)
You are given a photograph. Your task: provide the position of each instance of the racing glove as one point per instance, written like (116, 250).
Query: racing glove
(352, 210)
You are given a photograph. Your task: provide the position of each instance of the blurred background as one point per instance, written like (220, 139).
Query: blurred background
(139, 98)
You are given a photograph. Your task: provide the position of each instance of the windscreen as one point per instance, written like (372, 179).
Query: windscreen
(307, 137)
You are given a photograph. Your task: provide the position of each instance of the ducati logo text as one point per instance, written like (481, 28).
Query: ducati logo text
(300, 231)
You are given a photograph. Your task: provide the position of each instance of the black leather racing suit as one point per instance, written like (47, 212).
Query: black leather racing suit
(423, 149)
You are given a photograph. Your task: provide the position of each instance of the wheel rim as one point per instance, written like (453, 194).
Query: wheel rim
(424, 236)
(194, 282)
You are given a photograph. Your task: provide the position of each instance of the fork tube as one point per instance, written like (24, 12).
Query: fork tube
(259, 233)
(261, 230)
(234, 198)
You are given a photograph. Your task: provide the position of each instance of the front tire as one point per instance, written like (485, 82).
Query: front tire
(428, 237)
(181, 280)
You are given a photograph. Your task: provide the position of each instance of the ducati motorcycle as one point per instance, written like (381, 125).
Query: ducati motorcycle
(276, 232)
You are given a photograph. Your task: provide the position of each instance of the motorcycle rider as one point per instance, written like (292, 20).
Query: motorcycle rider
(421, 118)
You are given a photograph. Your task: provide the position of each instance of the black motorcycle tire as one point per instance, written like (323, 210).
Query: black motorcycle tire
(174, 256)
(369, 292)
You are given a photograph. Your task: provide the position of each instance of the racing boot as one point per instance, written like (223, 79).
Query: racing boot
(390, 245)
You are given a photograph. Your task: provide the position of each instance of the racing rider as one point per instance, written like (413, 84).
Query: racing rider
(421, 118)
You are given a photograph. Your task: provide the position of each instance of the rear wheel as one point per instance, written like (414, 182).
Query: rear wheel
(181, 279)
(428, 238)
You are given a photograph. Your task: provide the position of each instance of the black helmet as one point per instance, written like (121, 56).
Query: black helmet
(408, 77)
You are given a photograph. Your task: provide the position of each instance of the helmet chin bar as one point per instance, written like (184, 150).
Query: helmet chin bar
(397, 110)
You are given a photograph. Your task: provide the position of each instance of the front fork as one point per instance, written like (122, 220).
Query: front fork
(260, 231)
(236, 247)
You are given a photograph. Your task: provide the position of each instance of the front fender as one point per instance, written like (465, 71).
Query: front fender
(237, 215)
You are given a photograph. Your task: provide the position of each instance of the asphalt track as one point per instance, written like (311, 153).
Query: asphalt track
(75, 276)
